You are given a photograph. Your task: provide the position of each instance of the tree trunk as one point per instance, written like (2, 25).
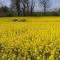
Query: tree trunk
(45, 9)
(18, 6)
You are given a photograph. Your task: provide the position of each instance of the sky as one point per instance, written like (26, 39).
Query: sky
(55, 3)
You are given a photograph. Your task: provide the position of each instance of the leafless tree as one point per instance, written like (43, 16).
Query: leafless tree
(24, 6)
(16, 4)
(45, 4)
(58, 11)
(32, 5)
(28, 7)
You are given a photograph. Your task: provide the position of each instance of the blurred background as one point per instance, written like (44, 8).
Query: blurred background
(10, 8)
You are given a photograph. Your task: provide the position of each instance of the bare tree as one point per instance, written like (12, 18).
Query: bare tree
(25, 7)
(45, 4)
(32, 5)
(16, 4)
(58, 11)
(28, 7)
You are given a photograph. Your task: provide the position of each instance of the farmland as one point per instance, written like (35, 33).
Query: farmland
(34, 38)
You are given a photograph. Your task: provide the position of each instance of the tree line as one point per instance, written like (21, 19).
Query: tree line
(26, 8)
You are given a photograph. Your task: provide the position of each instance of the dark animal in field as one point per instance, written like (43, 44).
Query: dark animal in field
(16, 20)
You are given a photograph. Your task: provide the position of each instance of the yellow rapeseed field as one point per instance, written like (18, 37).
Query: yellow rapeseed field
(30, 38)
